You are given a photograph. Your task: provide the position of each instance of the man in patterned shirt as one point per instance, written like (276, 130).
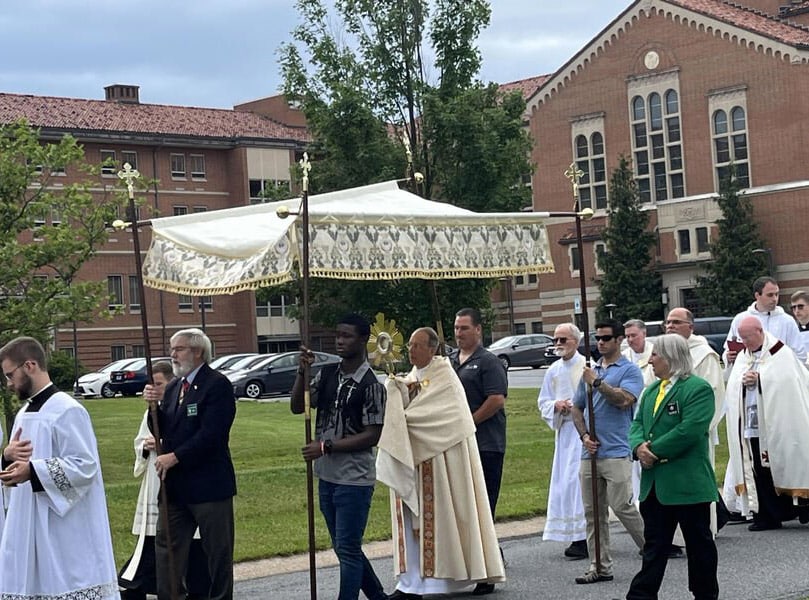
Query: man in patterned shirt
(350, 404)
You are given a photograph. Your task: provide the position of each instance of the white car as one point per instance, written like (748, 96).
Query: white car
(97, 384)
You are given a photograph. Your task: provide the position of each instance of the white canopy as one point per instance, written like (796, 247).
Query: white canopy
(372, 232)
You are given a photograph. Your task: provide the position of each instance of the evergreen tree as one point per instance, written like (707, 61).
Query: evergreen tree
(630, 281)
(725, 287)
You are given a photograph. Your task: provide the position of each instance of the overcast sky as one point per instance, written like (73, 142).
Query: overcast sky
(219, 53)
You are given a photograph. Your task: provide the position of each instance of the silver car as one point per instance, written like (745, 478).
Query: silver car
(522, 350)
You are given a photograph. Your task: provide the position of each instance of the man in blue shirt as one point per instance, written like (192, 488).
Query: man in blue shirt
(616, 385)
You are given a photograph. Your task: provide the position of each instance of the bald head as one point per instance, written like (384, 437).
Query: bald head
(680, 321)
(752, 333)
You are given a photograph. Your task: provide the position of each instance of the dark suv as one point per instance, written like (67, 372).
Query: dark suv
(132, 379)
(713, 329)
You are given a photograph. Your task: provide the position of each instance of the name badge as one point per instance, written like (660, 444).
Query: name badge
(191, 410)
(671, 409)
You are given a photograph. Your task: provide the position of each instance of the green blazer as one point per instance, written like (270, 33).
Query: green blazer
(678, 436)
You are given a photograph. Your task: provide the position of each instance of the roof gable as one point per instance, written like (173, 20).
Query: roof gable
(747, 27)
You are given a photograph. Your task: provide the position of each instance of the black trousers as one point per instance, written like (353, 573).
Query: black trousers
(772, 508)
(659, 523)
(215, 522)
(492, 463)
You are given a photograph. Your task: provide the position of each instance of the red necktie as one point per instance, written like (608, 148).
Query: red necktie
(183, 390)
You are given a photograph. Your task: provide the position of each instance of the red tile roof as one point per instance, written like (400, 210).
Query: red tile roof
(76, 114)
(750, 19)
(527, 87)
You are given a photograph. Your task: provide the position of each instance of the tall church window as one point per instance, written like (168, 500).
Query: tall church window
(730, 145)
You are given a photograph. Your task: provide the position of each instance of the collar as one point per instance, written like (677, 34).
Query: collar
(190, 377)
(357, 374)
(36, 401)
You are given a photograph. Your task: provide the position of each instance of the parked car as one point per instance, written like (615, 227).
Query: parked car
(522, 350)
(97, 383)
(244, 363)
(550, 356)
(131, 379)
(226, 360)
(274, 375)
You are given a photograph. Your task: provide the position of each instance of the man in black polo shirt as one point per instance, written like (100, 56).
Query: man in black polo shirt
(486, 385)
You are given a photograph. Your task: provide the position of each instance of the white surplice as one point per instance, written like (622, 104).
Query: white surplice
(565, 521)
(56, 543)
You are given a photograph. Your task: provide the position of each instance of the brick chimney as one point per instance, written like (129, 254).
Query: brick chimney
(127, 94)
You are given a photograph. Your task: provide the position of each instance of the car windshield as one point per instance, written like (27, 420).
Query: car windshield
(503, 342)
(228, 360)
(248, 362)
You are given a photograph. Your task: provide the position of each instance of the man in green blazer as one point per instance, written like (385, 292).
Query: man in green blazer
(669, 436)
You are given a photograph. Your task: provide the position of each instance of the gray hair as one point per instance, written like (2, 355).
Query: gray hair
(196, 339)
(674, 350)
(635, 323)
(432, 336)
(574, 331)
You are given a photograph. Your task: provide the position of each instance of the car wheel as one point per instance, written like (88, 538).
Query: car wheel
(253, 389)
(505, 361)
(107, 391)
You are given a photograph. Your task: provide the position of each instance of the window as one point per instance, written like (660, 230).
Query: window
(138, 351)
(38, 214)
(206, 301)
(590, 159)
(702, 240)
(108, 162)
(519, 280)
(68, 350)
(277, 306)
(115, 289)
(519, 328)
(575, 260)
(180, 210)
(117, 353)
(200, 209)
(56, 217)
(684, 240)
(128, 156)
(656, 136)
(536, 326)
(599, 250)
(730, 145)
(134, 294)
(178, 166)
(532, 278)
(268, 190)
(185, 302)
(197, 166)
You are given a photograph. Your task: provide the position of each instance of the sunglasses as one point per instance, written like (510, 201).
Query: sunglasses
(800, 306)
(604, 338)
(560, 340)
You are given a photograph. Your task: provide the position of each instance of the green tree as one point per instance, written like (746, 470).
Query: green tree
(47, 233)
(364, 86)
(725, 287)
(629, 280)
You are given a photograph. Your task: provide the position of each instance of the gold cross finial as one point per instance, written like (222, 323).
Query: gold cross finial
(129, 175)
(306, 166)
(574, 173)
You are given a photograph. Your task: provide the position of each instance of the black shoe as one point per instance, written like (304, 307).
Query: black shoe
(736, 517)
(400, 595)
(593, 577)
(676, 551)
(483, 589)
(577, 550)
(803, 515)
(762, 526)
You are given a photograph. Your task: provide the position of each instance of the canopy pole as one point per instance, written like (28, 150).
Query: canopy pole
(128, 174)
(574, 174)
(306, 166)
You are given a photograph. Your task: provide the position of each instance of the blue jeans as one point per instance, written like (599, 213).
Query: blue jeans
(345, 509)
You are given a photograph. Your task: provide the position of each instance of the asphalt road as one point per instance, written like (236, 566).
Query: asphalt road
(770, 565)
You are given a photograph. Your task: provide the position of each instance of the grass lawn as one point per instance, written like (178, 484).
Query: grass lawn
(271, 501)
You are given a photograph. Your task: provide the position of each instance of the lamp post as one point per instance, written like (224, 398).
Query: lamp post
(770, 265)
(610, 307)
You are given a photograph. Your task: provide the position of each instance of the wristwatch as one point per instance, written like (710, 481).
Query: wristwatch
(328, 446)
(597, 382)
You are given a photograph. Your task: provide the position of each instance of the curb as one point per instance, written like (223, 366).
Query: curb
(280, 565)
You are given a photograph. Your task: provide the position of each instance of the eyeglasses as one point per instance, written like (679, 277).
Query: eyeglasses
(604, 338)
(676, 322)
(560, 340)
(801, 306)
(10, 374)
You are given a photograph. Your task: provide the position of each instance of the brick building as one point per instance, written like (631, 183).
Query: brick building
(202, 159)
(684, 88)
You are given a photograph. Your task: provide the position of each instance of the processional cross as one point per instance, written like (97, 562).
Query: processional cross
(574, 174)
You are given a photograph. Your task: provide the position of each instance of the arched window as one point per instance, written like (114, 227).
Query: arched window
(730, 146)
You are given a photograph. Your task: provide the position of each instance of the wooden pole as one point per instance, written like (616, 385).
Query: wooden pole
(307, 405)
(129, 175)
